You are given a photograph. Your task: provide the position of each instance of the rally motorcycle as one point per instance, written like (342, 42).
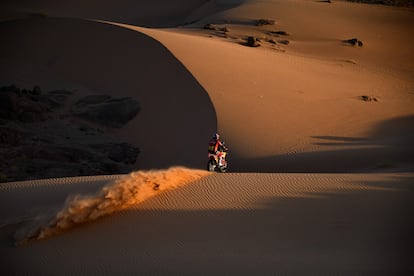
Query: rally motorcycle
(213, 162)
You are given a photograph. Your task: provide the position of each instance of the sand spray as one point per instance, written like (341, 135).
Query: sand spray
(119, 195)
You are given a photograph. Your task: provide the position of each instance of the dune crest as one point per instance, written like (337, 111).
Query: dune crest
(123, 193)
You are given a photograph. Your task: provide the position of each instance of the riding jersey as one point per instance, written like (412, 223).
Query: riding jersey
(215, 145)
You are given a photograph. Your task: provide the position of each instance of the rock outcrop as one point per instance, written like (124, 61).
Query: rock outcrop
(39, 139)
(104, 110)
(263, 22)
(29, 105)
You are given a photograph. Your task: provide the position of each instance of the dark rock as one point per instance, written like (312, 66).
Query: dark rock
(93, 99)
(28, 105)
(10, 88)
(77, 153)
(8, 104)
(56, 98)
(216, 28)
(36, 90)
(369, 98)
(124, 153)
(354, 42)
(210, 27)
(252, 42)
(10, 136)
(398, 3)
(262, 22)
(279, 33)
(54, 153)
(31, 148)
(225, 30)
(110, 168)
(285, 42)
(106, 111)
(3, 177)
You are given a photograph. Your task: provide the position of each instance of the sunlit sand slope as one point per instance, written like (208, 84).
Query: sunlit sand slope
(240, 224)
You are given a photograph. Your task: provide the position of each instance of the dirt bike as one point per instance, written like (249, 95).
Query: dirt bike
(213, 162)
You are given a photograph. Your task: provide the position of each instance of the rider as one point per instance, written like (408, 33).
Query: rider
(217, 147)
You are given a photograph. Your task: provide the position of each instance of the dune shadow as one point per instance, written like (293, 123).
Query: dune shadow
(389, 147)
(337, 140)
(152, 14)
(176, 112)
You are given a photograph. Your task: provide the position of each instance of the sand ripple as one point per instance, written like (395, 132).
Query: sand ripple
(248, 191)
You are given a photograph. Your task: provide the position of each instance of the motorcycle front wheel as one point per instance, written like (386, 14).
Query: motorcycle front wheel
(211, 166)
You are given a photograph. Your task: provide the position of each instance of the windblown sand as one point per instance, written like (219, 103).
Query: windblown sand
(321, 179)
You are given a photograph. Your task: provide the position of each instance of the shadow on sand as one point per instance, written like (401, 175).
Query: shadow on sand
(389, 147)
(176, 112)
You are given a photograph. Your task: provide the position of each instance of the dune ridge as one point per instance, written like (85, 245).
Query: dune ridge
(156, 13)
(320, 135)
(109, 60)
(123, 193)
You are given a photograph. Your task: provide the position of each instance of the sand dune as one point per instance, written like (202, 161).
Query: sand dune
(320, 135)
(288, 100)
(272, 107)
(176, 113)
(155, 13)
(228, 224)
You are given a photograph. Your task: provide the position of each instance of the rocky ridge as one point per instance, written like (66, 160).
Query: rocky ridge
(43, 135)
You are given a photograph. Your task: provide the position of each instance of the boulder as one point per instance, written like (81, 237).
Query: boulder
(29, 105)
(354, 42)
(210, 27)
(225, 30)
(366, 98)
(262, 22)
(105, 110)
(252, 42)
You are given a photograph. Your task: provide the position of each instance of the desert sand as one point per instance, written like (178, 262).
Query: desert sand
(320, 134)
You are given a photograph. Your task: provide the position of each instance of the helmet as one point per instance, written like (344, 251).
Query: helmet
(216, 136)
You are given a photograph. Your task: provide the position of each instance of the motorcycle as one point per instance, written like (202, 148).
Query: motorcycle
(213, 162)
